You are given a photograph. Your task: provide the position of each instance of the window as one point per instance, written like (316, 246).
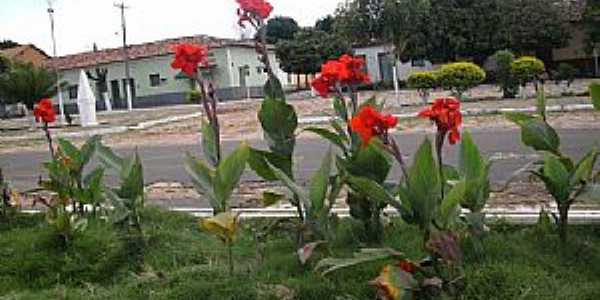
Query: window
(73, 92)
(154, 80)
(419, 63)
(259, 70)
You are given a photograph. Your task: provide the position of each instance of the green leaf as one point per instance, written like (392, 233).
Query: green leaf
(258, 163)
(370, 189)
(558, 178)
(329, 265)
(470, 162)
(319, 184)
(341, 110)
(595, 94)
(328, 135)
(541, 101)
(271, 198)
(94, 184)
(109, 159)
(273, 89)
(209, 144)
(71, 152)
(450, 206)
(591, 193)
(88, 149)
(337, 126)
(228, 174)
(202, 179)
(536, 133)
(371, 162)
(293, 187)
(132, 186)
(394, 282)
(279, 122)
(585, 168)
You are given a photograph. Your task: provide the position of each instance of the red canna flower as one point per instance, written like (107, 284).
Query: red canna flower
(44, 112)
(188, 57)
(407, 266)
(251, 9)
(347, 70)
(369, 123)
(445, 112)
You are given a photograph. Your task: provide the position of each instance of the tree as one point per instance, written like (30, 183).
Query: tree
(402, 20)
(308, 50)
(27, 83)
(503, 73)
(591, 22)
(325, 24)
(360, 21)
(6, 44)
(281, 28)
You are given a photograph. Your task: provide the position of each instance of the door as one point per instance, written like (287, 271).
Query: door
(243, 74)
(116, 93)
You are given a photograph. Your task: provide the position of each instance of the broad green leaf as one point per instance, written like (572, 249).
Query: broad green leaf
(202, 179)
(370, 189)
(120, 211)
(470, 162)
(591, 193)
(541, 101)
(329, 265)
(94, 184)
(279, 122)
(273, 89)
(88, 149)
(341, 132)
(209, 144)
(132, 186)
(71, 152)
(536, 133)
(292, 186)
(584, 169)
(424, 183)
(595, 94)
(340, 108)
(558, 178)
(320, 183)
(271, 198)
(328, 135)
(228, 174)
(371, 162)
(258, 159)
(450, 206)
(109, 159)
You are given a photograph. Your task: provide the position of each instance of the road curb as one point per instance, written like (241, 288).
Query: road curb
(472, 112)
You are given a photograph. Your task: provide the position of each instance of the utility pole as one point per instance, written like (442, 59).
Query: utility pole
(123, 7)
(61, 105)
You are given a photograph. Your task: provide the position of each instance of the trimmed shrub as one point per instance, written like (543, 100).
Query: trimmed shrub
(566, 72)
(460, 77)
(194, 96)
(595, 93)
(504, 75)
(423, 82)
(527, 69)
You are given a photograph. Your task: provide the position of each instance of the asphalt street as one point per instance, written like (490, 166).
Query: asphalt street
(165, 163)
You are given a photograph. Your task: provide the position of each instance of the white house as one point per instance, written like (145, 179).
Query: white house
(380, 63)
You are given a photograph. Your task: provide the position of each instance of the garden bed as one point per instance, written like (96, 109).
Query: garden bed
(178, 261)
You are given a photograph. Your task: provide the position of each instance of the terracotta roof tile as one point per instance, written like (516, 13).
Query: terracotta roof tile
(152, 49)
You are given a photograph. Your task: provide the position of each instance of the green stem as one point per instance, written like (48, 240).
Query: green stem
(439, 144)
(49, 138)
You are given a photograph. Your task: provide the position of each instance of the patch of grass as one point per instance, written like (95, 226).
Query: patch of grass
(178, 261)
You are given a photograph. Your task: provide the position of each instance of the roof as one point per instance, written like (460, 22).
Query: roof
(140, 51)
(19, 50)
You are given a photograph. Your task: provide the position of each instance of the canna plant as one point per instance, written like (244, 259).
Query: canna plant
(565, 179)
(216, 178)
(127, 200)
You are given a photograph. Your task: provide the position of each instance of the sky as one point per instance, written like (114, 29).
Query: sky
(81, 23)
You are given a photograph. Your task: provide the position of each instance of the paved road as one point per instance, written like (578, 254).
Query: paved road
(165, 163)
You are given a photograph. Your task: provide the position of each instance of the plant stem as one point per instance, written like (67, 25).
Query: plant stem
(563, 211)
(49, 139)
(395, 151)
(209, 103)
(439, 144)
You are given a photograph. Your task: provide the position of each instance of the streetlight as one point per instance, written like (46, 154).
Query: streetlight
(61, 105)
(128, 92)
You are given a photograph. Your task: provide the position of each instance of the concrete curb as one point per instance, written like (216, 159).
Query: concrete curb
(318, 120)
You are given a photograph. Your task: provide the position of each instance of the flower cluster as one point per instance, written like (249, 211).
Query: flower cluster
(44, 112)
(347, 70)
(188, 57)
(369, 123)
(250, 9)
(445, 112)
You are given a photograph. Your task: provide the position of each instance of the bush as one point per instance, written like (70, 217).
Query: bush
(460, 77)
(566, 72)
(504, 76)
(595, 94)
(422, 80)
(527, 69)
(194, 96)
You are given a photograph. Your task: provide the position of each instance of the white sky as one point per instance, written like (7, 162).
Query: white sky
(80, 23)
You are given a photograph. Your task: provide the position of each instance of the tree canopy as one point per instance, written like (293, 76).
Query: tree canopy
(308, 50)
(6, 44)
(281, 28)
(591, 21)
(27, 84)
